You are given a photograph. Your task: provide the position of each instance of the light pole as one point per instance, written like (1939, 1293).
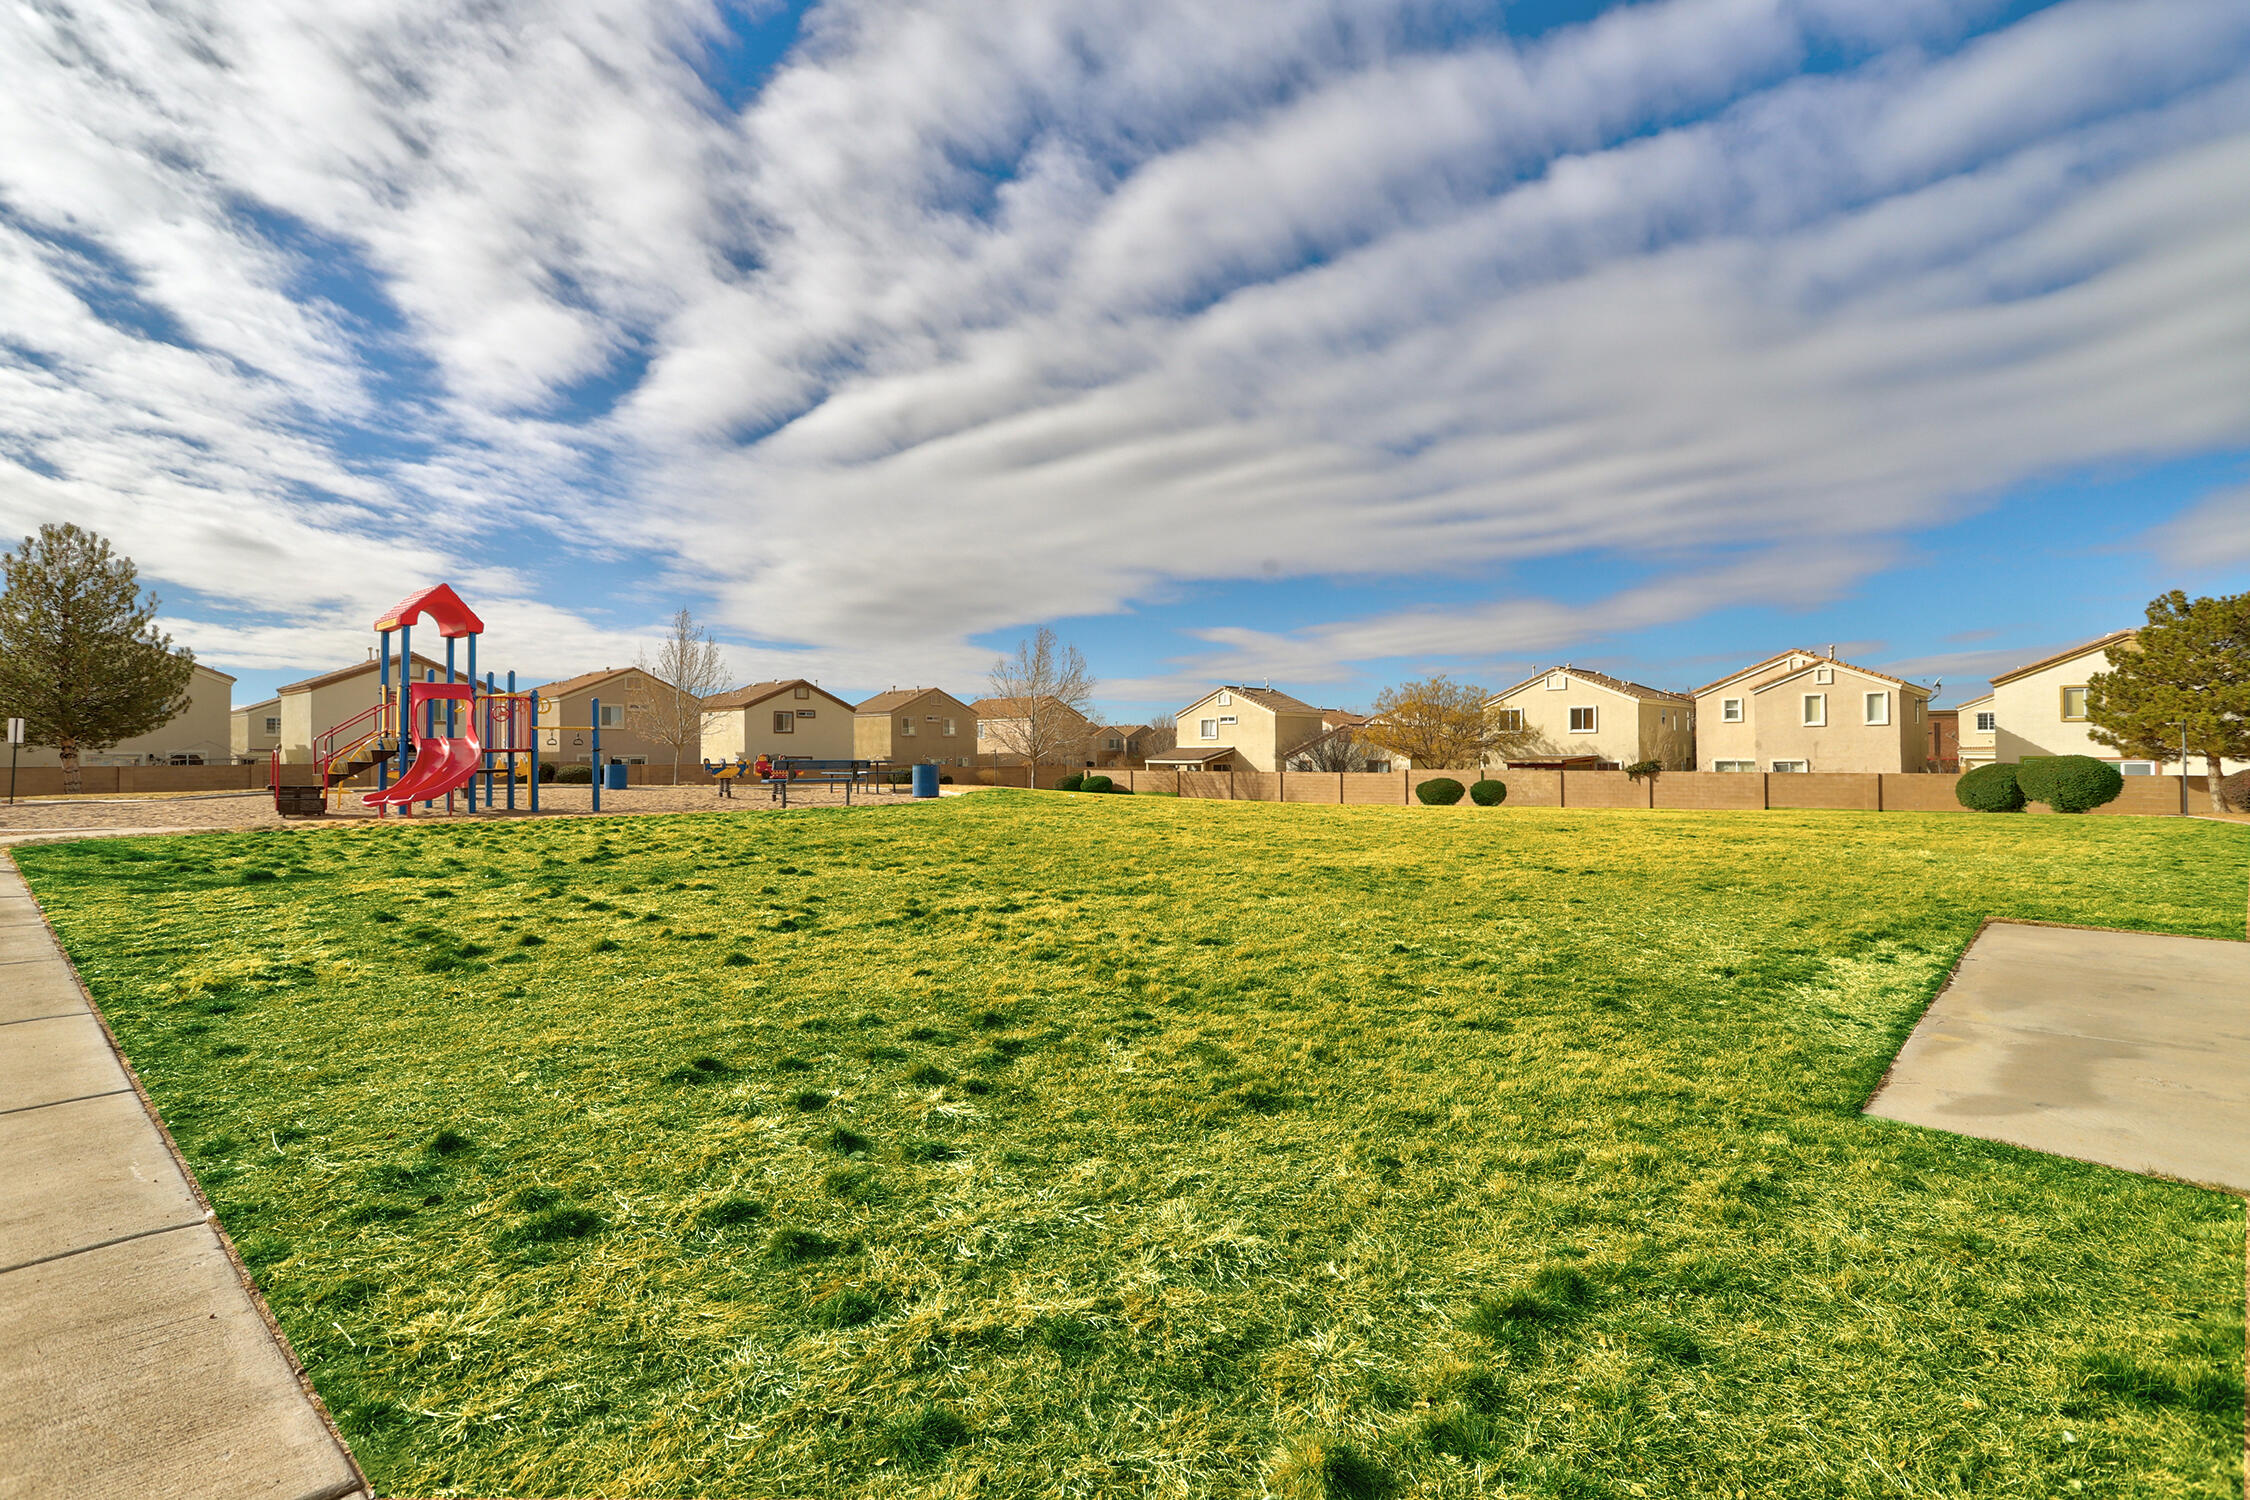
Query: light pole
(2183, 767)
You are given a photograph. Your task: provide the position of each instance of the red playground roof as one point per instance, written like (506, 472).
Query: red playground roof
(441, 604)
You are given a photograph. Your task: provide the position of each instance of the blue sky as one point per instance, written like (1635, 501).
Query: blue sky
(1330, 342)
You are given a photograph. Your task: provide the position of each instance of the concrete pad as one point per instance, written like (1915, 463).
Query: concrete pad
(82, 1174)
(143, 1369)
(45, 1062)
(2126, 1048)
(18, 911)
(28, 991)
(24, 943)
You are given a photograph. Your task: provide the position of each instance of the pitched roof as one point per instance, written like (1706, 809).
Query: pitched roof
(1190, 757)
(1271, 699)
(344, 673)
(1829, 661)
(1600, 679)
(583, 681)
(897, 698)
(2102, 643)
(243, 708)
(1125, 730)
(758, 692)
(1812, 659)
(1016, 708)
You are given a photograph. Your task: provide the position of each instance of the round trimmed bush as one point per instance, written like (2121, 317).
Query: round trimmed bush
(1488, 793)
(1440, 791)
(2069, 783)
(1097, 784)
(1990, 789)
(580, 775)
(1075, 781)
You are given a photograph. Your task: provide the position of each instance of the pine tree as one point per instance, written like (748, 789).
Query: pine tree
(2190, 665)
(81, 661)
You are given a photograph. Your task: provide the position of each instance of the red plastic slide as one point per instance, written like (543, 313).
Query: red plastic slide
(441, 764)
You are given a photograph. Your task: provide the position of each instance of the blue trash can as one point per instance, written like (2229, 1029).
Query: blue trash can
(925, 781)
(616, 769)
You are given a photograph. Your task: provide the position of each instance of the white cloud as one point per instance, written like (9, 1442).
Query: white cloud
(989, 311)
(2214, 534)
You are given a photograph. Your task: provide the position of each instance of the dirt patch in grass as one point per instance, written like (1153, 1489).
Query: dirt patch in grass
(1170, 1148)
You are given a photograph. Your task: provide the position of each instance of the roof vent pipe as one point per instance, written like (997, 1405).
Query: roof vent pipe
(1831, 650)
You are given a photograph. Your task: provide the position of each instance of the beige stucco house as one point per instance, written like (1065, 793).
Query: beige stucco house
(1241, 729)
(1980, 724)
(789, 717)
(566, 719)
(1568, 713)
(198, 735)
(1004, 727)
(1802, 711)
(318, 704)
(1121, 746)
(254, 730)
(2040, 709)
(907, 726)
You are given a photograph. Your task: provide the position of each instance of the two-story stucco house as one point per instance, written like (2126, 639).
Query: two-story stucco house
(318, 704)
(254, 731)
(1120, 745)
(789, 717)
(2040, 709)
(1802, 711)
(1008, 727)
(906, 726)
(1566, 714)
(1980, 732)
(1241, 729)
(566, 723)
(198, 735)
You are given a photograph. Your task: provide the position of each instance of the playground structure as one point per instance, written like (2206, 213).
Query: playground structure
(482, 726)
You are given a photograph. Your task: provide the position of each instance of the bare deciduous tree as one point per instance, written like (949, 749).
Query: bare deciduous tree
(1436, 723)
(688, 667)
(1046, 693)
(1163, 734)
(1337, 749)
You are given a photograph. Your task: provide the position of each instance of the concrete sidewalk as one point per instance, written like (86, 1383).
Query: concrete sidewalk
(134, 1357)
(2127, 1048)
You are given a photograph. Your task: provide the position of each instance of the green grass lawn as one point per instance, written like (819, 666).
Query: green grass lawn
(1030, 1145)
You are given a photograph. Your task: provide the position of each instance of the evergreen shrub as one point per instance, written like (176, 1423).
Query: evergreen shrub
(2069, 783)
(1442, 791)
(1489, 793)
(1990, 789)
(1075, 781)
(578, 775)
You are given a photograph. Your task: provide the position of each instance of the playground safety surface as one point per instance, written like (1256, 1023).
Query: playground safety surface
(2127, 1048)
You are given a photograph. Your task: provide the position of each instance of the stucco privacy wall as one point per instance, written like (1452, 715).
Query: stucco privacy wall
(1866, 791)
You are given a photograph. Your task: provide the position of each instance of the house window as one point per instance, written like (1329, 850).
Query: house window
(1207, 728)
(1556, 682)
(1113, 743)
(784, 722)
(1987, 722)
(949, 728)
(1824, 674)
(2074, 703)
(906, 726)
(1227, 719)
(1730, 710)
(1816, 709)
(636, 760)
(1792, 765)
(806, 713)
(1508, 720)
(980, 729)
(2136, 768)
(1878, 708)
(273, 726)
(803, 692)
(1582, 721)
(612, 716)
(1226, 700)
(1734, 765)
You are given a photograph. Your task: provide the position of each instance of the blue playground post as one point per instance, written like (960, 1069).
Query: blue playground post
(469, 786)
(515, 731)
(534, 697)
(402, 721)
(490, 687)
(382, 766)
(597, 754)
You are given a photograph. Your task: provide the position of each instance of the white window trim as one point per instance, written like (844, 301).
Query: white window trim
(1556, 682)
(1593, 718)
(1987, 721)
(1876, 707)
(949, 728)
(2136, 768)
(1228, 719)
(1792, 766)
(1731, 766)
(1824, 675)
(1207, 729)
(906, 727)
(1508, 720)
(1730, 710)
(1226, 700)
(808, 713)
(1805, 705)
